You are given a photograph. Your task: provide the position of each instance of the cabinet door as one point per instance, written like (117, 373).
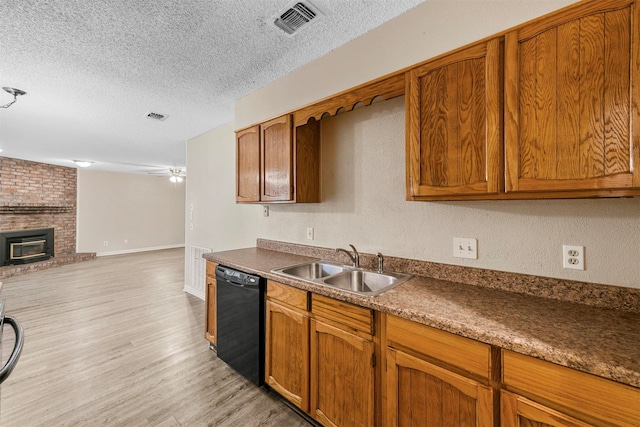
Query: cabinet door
(248, 165)
(210, 306)
(517, 411)
(419, 393)
(572, 100)
(342, 380)
(277, 160)
(454, 125)
(287, 354)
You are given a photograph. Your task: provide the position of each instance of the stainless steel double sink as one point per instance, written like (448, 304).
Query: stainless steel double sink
(346, 278)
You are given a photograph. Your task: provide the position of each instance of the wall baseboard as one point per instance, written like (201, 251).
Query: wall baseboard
(130, 251)
(195, 292)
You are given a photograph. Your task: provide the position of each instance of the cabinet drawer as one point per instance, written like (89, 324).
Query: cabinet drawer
(574, 392)
(287, 295)
(463, 353)
(343, 313)
(211, 268)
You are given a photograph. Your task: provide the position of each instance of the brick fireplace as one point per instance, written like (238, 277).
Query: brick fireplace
(37, 195)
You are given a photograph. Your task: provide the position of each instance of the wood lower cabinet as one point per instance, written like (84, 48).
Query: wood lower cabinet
(277, 163)
(454, 125)
(287, 343)
(572, 96)
(539, 393)
(518, 411)
(421, 393)
(342, 364)
(210, 303)
(435, 378)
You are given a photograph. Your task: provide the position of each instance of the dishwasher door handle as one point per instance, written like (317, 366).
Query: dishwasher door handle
(17, 349)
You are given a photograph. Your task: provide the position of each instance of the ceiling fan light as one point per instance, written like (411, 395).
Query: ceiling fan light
(83, 163)
(175, 178)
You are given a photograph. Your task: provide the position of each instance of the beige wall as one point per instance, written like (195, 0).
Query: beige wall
(147, 211)
(363, 168)
(217, 223)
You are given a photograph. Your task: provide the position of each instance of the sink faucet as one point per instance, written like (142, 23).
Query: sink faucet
(380, 263)
(355, 258)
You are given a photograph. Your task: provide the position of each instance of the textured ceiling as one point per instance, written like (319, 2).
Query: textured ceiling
(93, 70)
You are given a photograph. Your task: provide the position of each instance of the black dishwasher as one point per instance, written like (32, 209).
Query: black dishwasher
(240, 322)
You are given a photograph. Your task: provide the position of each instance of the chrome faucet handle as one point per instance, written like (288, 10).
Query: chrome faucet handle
(380, 262)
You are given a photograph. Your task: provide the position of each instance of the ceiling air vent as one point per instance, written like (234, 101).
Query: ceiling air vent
(296, 15)
(156, 116)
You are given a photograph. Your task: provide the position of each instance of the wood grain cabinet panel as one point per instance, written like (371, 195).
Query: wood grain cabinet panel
(248, 165)
(277, 160)
(277, 163)
(287, 353)
(342, 377)
(422, 394)
(572, 96)
(577, 395)
(454, 124)
(210, 303)
(518, 411)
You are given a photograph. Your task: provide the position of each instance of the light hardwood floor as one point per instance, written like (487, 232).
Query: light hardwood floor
(116, 342)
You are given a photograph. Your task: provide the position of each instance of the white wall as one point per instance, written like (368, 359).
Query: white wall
(213, 220)
(363, 169)
(218, 223)
(147, 211)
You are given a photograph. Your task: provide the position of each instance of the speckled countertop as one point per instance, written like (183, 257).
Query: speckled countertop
(600, 341)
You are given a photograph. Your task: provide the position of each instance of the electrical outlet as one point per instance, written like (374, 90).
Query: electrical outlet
(573, 257)
(465, 248)
(309, 233)
(105, 243)
(265, 211)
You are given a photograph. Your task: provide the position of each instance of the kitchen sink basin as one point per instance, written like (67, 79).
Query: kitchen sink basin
(312, 270)
(365, 282)
(351, 279)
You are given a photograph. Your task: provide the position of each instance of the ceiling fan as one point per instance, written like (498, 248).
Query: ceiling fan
(175, 174)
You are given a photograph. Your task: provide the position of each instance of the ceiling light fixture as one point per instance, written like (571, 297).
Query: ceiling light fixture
(83, 163)
(15, 92)
(176, 175)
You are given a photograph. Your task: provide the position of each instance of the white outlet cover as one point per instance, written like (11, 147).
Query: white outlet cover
(573, 257)
(309, 233)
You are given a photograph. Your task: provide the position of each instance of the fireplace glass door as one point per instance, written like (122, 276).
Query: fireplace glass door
(27, 249)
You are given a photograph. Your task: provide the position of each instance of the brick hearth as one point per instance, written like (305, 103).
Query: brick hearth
(39, 195)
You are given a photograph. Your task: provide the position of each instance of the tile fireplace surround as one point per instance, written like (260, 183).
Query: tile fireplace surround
(39, 195)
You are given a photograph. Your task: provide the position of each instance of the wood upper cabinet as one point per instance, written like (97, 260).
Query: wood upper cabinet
(572, 94)
(454, 124)
(210, 303)
(543, 394)
(277, 163)
(276, 143)
(434, 378)
(342, 364)
(248, 165)
(287, 343)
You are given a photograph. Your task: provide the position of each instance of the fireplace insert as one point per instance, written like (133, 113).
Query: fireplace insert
(25, 246)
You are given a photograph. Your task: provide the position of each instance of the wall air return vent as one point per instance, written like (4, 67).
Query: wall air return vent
(296, 16)
(156, 116)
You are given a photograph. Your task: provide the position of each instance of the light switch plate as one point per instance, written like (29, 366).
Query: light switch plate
(465, 248)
